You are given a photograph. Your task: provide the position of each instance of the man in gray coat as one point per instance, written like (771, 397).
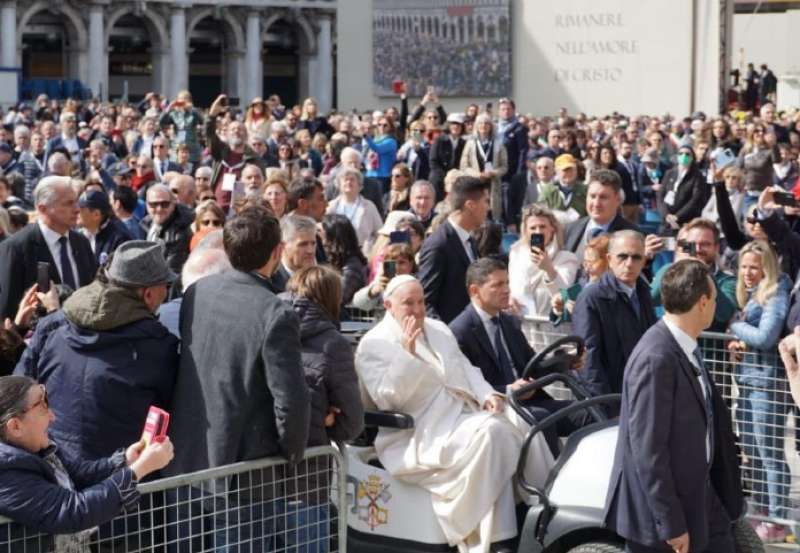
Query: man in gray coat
(241, 392)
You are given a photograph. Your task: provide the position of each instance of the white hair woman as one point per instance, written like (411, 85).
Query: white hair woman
(485, 156)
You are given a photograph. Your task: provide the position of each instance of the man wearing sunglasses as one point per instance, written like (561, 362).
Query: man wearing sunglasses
(612, 314)
(168, 223)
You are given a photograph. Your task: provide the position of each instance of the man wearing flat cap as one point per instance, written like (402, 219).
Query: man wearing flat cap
(104, 357)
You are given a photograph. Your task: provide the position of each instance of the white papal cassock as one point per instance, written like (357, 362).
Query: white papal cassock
(465, 456)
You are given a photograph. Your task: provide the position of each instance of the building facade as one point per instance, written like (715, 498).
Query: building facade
(244, 48)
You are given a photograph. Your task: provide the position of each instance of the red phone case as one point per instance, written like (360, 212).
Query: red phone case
(156, 424)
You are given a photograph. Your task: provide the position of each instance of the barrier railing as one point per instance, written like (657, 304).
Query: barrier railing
(756, 391)
(261, 505)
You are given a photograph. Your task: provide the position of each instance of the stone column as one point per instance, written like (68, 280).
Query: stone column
(253, 66)
(180, 54)
(8, 28)
(98, 66)
(323, 74)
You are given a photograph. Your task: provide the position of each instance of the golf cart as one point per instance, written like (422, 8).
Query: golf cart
(388, 516)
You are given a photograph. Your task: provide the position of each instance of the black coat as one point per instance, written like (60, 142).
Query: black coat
(354, 278)
(109, 238)
(659, 482)
(279, 279)
(19, 256)
(176, 233)
(515, 139)
(329, 367)
(516, 196)
(576, 230)
(241, 392)
(690, 195)
(443, 264)
(443, 157)
(604, 317)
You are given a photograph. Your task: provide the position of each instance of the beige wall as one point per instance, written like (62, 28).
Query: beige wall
(653, 78)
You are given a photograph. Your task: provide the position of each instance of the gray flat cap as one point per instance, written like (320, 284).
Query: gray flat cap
(139, 264)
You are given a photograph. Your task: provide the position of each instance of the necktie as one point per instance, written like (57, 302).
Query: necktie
(163, 167)
(703, 374)
(595, 232)
(67, 276)
(473, 248)
(502, 356)
(635, 303)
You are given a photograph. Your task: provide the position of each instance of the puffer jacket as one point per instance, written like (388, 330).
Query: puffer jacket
(329, 366)
(176, 234)
(31, 495)
(761, 329)
(105, 359)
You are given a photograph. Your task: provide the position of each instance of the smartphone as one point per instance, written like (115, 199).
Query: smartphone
(688, 247)
(390, 268)
(43, 277)
(669, 242)
(723, 158)
(399, 237)
(233, 101)
(431, 90)
(785, 199)
(537, 241)
(398, 87)
(156, 425)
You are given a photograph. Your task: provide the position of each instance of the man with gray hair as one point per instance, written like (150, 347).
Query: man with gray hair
(299, 235)
(422, 198)
(612, 314)
(68, 140)
(59, 165)
(201, 263)
(50, 240)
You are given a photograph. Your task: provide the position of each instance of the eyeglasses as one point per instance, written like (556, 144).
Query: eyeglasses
(159, 146)
(163, 204)
(42, 401)
(211, 223)
(637, 257)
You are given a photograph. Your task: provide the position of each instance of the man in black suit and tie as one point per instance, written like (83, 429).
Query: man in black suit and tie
(675, 480)
(446, 254)
(494, 342)
(603, 201)
(50, 240)
(446, 153)
(299, 237)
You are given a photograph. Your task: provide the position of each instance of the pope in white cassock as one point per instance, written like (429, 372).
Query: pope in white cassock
(465, 444)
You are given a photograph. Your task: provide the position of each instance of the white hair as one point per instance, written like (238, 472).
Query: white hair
(203, 263)
(351, 152)
(56, 161)
(46, 191)
(295, 224)
(159, 187)
(621, 235)
(205, 171)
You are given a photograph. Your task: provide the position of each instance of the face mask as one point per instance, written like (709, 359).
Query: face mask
(684, 160)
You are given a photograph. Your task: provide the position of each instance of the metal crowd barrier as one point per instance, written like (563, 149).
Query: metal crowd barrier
(253, 506)
(764, 416)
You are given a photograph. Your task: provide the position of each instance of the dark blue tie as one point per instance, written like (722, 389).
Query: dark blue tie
(67, 276)
(502, 357)
(595, 232)
(709, 400)
(635, 304)
(473, 246)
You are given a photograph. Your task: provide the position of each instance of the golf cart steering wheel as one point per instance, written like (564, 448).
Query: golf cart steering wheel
(559, 360)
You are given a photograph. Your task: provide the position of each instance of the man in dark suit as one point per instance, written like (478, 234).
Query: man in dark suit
(494, 342)
(446, 254)
(307, 198)
(446, 153)
(603, 200)
(513, 134)
(299, 238)
(68, 140)
(161, 162)
(49, 240)
(675, 480)
(613, 314)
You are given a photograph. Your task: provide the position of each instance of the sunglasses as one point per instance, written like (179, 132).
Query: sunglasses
(212, 223)
(159, 146)
(163, 205)
(637, 257)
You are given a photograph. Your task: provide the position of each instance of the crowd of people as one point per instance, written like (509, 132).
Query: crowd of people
(202, 261)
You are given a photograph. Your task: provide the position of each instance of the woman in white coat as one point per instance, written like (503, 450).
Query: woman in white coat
(465, 443)
(537, 273)
(361, 212)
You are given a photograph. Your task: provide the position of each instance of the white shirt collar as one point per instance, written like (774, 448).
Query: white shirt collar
(463, 235)
(485, 317)
(50, 236)
(686, 342)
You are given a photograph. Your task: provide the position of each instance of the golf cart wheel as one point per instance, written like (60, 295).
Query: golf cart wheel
(745, 537)
(598, 547)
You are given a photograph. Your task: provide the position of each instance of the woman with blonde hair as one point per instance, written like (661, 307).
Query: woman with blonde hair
(309, 157)
(538, 266)
(257, 118)
(311, 120)
(485, 156)
(763, 294)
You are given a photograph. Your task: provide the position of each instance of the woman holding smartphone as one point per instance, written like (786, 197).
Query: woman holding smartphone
(539, 266)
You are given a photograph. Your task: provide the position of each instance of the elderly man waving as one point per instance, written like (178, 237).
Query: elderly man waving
(465, 444)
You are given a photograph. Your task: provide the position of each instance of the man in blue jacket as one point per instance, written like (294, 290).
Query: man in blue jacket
(104, 356)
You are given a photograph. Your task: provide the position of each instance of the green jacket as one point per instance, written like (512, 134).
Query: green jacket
(726, 297)
(552, 198)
